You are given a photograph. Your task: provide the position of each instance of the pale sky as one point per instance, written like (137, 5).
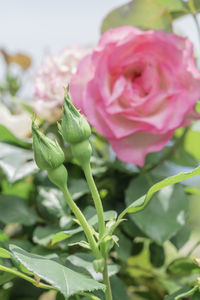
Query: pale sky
(40, 27)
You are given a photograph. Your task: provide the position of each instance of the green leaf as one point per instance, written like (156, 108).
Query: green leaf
(43, 235)
(196, 296)
(3, 237)
(165, 214)
(197, 5)
(60, 277)
(183, 266)
(142, 202)
(190, 141)
(78, 188)
(124, 250)
(4, 253)
(145, 14)
(51, 203)
(118, 290)
(182, 236)
(6, 277)
(16, 162)
(157, 255)
(86, 262)
(172, 296)
(188, 293)
(14, 210)
(82, 244)
(172, 5)
(7, 136)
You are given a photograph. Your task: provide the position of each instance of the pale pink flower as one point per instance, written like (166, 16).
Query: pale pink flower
(51, 79)
(18, 124)
(136, 88)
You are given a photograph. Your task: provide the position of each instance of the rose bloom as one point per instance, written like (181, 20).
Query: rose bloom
(136, 88)
(51, 79)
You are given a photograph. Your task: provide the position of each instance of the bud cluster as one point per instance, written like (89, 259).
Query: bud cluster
(75, 130)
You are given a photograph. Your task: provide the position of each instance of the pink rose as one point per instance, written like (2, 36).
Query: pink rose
(137, 88)
(51, 79)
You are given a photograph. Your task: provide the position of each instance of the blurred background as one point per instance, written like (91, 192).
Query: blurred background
(39, 27)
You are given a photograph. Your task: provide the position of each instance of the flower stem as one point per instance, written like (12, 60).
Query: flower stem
(96, 198)
(27, 278)
(108, 292)
(101, 223)
(77, 212)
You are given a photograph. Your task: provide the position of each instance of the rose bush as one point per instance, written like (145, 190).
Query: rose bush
(136, 88)
(52, 76)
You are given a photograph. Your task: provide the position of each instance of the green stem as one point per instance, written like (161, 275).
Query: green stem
(27, 278)
(77, 212)
(189, 293)
(101, 223)
(96, 198)
(108, 292)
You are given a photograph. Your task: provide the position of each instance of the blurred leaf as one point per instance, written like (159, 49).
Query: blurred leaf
(43, 235)
(16, 162)
(165, 214)
(172, 296)
(196, 296)
(20, 188)
(137, 248)
(20, 59)
(85, 261)
(183, 158)
(4, 253)
(78, 188)
(51, 203)
(172, 5)
(157, 255)
(197, 5)
(181, 237)
(3, 237)
(191, 143)
(5, 277)
(7, 136)
(124, 250)
(146, 14)
(14, 210)
(62, 278)
(118, 290)
(182, 267)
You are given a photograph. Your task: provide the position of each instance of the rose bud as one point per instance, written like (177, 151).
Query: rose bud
(74, 126)
(48, 154)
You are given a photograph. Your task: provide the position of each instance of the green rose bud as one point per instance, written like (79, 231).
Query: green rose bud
(74, 126)
(48, 154)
